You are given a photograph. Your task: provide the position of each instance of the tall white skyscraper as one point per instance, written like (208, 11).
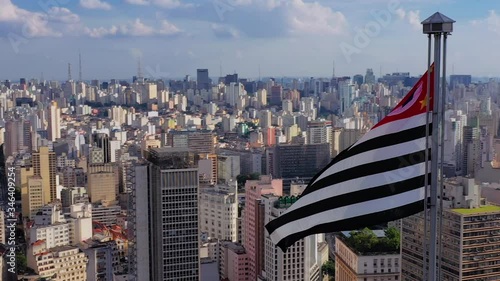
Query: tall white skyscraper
(233, 92)
(54, 117)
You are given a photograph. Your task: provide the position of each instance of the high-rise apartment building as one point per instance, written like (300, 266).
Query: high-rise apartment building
(302, 260)
(38, 181)
(101, 186)
(262, 97)
(265, 119)
(54, 118)
(276, 95)
(173, 217)
(470, 236)
(219, 212)
(470, 150)
(319, 132)
(12, 137)
(233, 91)
(253, 220)
(138, 223)
(233, 262)
(102, 260)
(228, 167)
(64, 262)
(343, 138)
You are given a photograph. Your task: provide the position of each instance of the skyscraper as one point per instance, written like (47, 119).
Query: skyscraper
(202, 79)
(276, 95)
(369, 76)
(38, 182)
(470, 236)
(292, 161)
(346, 96)
(12, 136)
(358, 79)
(101, 140)
(173, 216)
(253, 220)
(54, 117)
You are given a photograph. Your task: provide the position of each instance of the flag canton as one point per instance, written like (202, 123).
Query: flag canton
(415, 102)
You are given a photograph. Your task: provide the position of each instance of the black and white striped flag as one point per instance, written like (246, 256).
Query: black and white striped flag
(378, 179)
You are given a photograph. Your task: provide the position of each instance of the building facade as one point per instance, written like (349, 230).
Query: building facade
(174, 227)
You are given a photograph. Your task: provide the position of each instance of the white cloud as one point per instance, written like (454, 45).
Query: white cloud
(95, 4)
(314, 18)
(492, 22)
(224, 31)
(100, 31)
(32, 24)
(414, 19)
(411, 16)
(137, 2)
(135, 28)
(168, 28)
(167, 4)
(63, 15)
(280, 17)
(401, 13)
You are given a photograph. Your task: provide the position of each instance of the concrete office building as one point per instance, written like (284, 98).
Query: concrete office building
(173, 218)
(471, 239)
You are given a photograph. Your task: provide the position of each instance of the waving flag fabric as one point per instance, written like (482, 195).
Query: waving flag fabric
(378, 179)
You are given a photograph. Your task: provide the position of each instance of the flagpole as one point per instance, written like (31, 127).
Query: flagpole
(426, 180)
(434, 160)
(441, 174)
(437, 25)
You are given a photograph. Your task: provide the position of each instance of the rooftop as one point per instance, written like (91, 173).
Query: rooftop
(480, 210)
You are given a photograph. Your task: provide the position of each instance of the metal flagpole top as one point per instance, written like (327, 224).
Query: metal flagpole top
(437, 23)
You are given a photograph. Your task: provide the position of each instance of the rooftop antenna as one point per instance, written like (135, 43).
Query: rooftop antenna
(259, 73)
(69, 72)
(79, 66)
(333, 69)
(220, 68)
(41, 78)
(380, 72)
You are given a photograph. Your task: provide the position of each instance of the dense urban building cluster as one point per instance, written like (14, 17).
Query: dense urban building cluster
(174, 180)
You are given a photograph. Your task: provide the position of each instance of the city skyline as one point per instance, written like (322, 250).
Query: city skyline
(251, 37)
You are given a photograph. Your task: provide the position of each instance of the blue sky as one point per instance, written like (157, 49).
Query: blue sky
(281, 37)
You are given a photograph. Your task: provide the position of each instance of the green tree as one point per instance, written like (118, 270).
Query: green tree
(364, 240)
(392, 238)
(242, 179)
(328, 268)
(254, 176)
(21, 263)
